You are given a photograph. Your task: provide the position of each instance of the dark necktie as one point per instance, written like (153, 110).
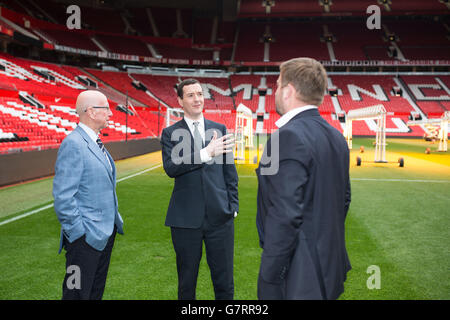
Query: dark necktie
(198, 141)
(102, 147)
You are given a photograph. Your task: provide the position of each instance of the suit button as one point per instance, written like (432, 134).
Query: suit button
(283, 273)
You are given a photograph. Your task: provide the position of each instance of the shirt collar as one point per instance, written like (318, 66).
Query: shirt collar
(190, 122)
(292, 113)
(91, 133)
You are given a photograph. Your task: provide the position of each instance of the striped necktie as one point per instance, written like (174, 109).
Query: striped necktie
(102, 147)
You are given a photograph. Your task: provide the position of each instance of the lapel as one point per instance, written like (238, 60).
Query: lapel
(113, 166)
(210, 125)
(182, 124)
(208, 136)
(93, 147)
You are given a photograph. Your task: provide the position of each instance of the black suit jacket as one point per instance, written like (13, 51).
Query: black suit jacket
(302, 210)
(200, 188)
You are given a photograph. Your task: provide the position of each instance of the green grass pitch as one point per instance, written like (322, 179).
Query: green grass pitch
(398, 220)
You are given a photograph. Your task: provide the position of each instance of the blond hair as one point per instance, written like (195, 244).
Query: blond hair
(307, 76)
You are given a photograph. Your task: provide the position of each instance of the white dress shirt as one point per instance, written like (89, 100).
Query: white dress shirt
(292, 113)
(91, 133)
(204, 157)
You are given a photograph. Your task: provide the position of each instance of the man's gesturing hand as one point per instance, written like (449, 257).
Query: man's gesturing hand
(218, 146)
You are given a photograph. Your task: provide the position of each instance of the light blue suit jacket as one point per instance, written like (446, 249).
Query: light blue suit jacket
(84, 189)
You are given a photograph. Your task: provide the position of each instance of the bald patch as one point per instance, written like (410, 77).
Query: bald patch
(90, 98)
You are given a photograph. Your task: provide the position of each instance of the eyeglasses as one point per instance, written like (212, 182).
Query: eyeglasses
(96, 107)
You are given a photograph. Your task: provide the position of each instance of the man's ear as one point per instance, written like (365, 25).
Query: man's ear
(180, 101)
(90, 112)
(289, 91)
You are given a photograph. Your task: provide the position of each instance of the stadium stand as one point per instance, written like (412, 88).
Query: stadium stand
(356, 92)
(304, 42)
(348, 44)
(111, 20)
(243, 86)
(125, 45)
(165, 20)
(37, 98)
(37, 103)
(428, 41)
(255, 8)
(364, 91)
(69, 39)
(162, 87)
(250, 46)
(429, 92)
(122, 82)
(139, 21)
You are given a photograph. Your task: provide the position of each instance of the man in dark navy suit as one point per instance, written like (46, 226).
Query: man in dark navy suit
(303, 193)
(198, 153)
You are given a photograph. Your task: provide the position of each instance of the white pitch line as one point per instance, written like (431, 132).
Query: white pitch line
(381, 180)
(26, 214)
(400, 180)
(139, 173)
(243, 176)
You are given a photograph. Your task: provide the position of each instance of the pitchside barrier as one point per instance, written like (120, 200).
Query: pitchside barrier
(24, 166)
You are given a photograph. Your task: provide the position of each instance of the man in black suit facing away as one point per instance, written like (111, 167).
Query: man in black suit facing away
(303, 193)
(198, 153)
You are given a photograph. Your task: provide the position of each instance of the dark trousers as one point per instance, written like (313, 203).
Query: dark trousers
(86, 269)
(219, 245)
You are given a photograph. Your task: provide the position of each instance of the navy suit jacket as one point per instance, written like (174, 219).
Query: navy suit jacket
(302, 210)
(200, 188)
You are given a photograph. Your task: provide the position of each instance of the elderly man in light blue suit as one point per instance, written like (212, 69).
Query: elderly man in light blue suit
(84, 189)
